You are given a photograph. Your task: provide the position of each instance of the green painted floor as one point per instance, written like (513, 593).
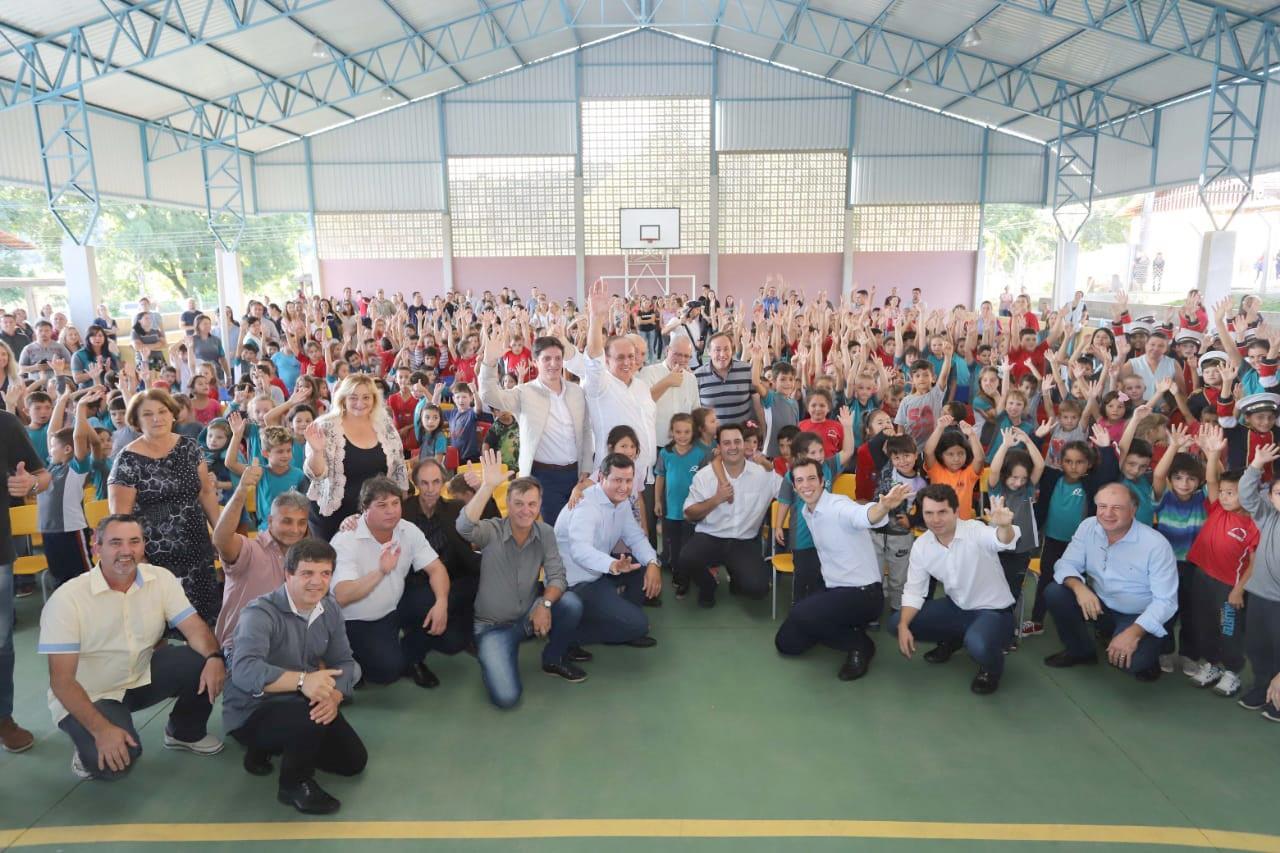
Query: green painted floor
(713, 724)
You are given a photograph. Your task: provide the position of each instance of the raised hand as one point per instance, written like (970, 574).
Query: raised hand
(846, 417)
(1046, 427)
(1262, 457)
(1100, 436)
(896, 495)
(1001, 515)
(1211, 439)
(251, 477)
(21, 481)
(315, 437)
(966, 429)
(1179, 438)
(491, 472)
(1228, 372)
(389, 558)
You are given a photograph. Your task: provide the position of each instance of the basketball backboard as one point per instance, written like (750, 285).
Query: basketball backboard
(648, 228)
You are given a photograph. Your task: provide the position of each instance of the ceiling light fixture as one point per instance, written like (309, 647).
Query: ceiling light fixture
(973, 38)
(389, 97)
(906, 87)
(319, 50)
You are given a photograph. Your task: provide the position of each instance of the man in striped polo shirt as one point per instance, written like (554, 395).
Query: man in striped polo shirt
(724, 383)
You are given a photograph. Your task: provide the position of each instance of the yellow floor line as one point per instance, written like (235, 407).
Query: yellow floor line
(659, 828)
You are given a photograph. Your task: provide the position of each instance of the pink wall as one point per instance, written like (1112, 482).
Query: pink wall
(945, 277)
(552, 275)
(403, 275)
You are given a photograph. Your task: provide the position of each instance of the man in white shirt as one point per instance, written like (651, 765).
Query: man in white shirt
(378, 598)
(852, 596)
(727, 513)
(679, 395)
(551, 414)
(977, 611)
(612, 589)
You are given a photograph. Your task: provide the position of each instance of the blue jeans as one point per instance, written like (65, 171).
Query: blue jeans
(6, 640)
(1078, 636)
(612, 609)
(498, 648)
(557, 485)
(984, 633)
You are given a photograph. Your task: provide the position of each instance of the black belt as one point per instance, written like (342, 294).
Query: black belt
(570, 467)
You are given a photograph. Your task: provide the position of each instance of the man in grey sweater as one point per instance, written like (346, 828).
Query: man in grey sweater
(508, 608)
(291, 669)
(1262, 637)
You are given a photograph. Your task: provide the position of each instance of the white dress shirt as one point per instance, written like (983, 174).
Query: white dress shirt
(611, 403)
(682, 398)
(559, 442)
(968, 568)
(753, 490)
(358, 556)
(587, 532)
(839, 530)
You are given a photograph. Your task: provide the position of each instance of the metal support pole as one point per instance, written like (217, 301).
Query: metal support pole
(713, 218)
(1075, 155)
(66, 163)
(1231, 135)
(446, 217)
(224, 191)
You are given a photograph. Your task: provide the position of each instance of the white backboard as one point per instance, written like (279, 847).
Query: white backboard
(637, 223)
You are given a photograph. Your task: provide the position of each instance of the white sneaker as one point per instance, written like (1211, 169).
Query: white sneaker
(1228, 685)
(1206, 674)
(1190, 668)
(1167, 662)
(77, 766)
(207, 745)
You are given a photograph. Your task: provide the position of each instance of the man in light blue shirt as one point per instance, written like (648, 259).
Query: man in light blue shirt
(612, 589)
(1132, 588)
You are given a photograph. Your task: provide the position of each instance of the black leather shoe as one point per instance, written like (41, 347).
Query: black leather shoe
(985, 682)
(308, 798)
(645, 642)
(423, 676)
(706, 601)
(682, 589)
(1149, 674)
(942, 652)
(565, 670)
(1064, 659)
(577, 654)
(257, 763)
(855, 666)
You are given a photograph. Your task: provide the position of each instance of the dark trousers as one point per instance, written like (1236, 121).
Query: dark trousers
(283, 726)
(835, 617)
(375, 644)
(1208, 595)
(674, 533)
(68, 554)
(1262, 644)
(742, 557)
(612, 609)
(808, 574)
(557, 485)
(175, 673)
(1188, 644)
(417, 599)
(1078, 637)
(650, 517)
(1050, 553)
(984, 633)
(1015, 573)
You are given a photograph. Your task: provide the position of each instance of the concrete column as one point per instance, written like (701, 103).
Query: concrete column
(230, 292)
(1217, 265)
(713, 235)
(979, 276)
(81, 270)
(579, 243)
(446, 242)
(1064, 272)
(846, 268)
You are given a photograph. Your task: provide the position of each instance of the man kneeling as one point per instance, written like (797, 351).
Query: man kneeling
(977, 611)
(852, 594)
(291, 669)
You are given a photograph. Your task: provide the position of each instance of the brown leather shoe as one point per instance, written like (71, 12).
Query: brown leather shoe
(14, 737)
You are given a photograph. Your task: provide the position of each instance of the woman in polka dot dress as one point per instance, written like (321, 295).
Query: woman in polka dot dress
(162, 478)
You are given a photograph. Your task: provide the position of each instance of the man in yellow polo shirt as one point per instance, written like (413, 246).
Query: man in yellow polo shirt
(102, 633)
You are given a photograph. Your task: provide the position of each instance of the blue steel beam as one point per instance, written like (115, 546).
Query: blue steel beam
(67, 166)
(879, 20)
(1190, 28)
(58, 63)
(501, 30)
(956, 40)
(1023, 88)
(339, 78)
(409, 28)
(789, 32)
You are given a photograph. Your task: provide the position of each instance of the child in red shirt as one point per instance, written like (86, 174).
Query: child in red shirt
(830, 430)
(1223, 558)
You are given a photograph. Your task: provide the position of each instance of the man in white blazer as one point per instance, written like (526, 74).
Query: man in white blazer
(555, 431)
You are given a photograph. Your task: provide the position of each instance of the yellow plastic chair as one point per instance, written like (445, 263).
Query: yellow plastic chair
(847, 485)
(24, 521)
(781, 561)
(470, 467)
(500, 497)
(95, 511)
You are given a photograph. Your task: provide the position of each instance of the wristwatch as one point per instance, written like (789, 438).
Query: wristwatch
(302, 676)
(545, 603)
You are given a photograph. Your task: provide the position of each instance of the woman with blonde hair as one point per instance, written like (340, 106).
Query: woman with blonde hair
(356, 440)
(8, 371)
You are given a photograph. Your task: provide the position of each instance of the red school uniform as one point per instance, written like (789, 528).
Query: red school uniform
(1222, 547)
(829, 429)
